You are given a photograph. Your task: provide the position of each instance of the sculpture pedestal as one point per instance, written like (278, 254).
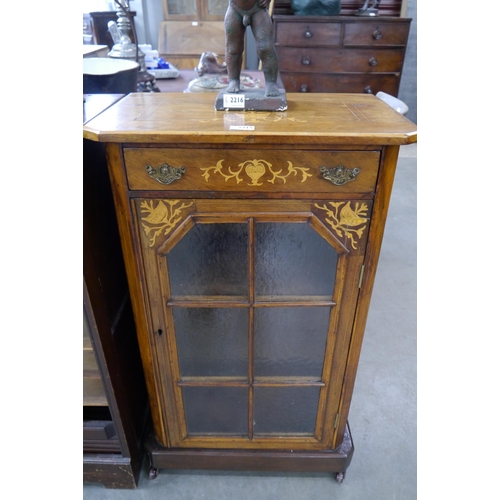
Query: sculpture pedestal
(251, 100)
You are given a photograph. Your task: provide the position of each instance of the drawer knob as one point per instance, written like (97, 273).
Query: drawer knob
(339, 175)
(165, 174)
(368, 90)
(372, 61)
(306, 61)
(308, 34)
(377, 35)
(303, 88)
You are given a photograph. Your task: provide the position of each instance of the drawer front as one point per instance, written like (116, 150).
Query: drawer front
(369, 83)
(340, 60)
(376, 33)
(271, 171)
(308, 34)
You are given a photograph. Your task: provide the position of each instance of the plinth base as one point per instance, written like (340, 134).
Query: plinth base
(370, 12)
(335, 461)
(251, 100)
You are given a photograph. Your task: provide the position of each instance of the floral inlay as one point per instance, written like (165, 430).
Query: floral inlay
(254, 169)
(161, 218)
(254, 117)
(345, 220)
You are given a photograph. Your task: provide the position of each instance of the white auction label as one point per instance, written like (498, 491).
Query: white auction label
(241, 127)
(235, 101)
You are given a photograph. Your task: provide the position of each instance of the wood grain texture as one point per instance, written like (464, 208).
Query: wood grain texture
(133, 266)
(341, 54)
(379, 215)
(179, 129)
(328, 119)
(228, 170)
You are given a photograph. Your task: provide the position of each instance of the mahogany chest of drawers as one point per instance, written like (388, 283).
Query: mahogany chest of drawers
(342, 53)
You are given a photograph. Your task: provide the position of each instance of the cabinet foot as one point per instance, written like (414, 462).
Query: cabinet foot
(339, 477)
(153, 473)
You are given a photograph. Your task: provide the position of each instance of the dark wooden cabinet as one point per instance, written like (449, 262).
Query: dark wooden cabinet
(115, 405)
(251, 243)
(341, 54)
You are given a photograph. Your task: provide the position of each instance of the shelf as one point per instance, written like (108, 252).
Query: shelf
(93, 392)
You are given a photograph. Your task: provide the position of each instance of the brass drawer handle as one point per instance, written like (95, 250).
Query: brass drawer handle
(303, 88)
(377, 35)
(339, 175)
(165, 174)
(372, 61)
(306, 61)
(308, 33)
(368, 90)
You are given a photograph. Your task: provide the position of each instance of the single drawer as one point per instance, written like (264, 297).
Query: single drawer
(270, 171)
(376, 33)
(368, 83)
(323, 60)
(308, 34)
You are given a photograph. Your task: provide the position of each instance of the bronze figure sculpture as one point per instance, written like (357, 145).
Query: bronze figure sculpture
(253, 13)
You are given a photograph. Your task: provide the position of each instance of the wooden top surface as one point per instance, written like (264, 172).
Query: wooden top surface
(156, 118)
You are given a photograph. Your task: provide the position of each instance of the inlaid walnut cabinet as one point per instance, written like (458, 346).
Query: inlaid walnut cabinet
(251, 242)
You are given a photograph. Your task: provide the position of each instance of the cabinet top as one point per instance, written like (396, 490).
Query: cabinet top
(357, 119)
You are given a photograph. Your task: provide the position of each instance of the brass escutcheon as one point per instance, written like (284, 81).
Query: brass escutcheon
(165, 174)
(339, 175)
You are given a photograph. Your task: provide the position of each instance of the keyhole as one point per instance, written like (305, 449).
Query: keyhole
(160, 331)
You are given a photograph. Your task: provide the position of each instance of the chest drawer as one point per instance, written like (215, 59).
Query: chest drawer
(323, 60)
(308, 34)
(270, 171)
(368, 83)
(376, 34)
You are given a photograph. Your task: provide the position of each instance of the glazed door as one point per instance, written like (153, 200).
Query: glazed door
(194, 10)
(251, 307)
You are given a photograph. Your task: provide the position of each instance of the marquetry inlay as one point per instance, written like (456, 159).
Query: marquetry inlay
(346, 221)
(255, 169)
(161, 217)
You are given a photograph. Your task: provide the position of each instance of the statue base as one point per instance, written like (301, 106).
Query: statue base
(370, 12)
(251, 100)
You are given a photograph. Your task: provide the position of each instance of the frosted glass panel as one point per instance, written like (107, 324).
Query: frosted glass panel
(291, 260)
(217, 7)
(212, 342)
(285, 410)
(177, 7)
(211, 259)
(290, 341)
(216, 410)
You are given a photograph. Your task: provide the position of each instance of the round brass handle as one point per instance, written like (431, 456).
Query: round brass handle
(308, 34)
(368, 90)
(303, 88)
(372, 61)
(377, 35)
(306, 61)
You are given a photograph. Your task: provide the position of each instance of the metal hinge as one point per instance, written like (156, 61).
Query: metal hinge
(362, 272)
(336, 421)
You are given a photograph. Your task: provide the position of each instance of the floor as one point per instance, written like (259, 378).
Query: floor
(383, 411)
